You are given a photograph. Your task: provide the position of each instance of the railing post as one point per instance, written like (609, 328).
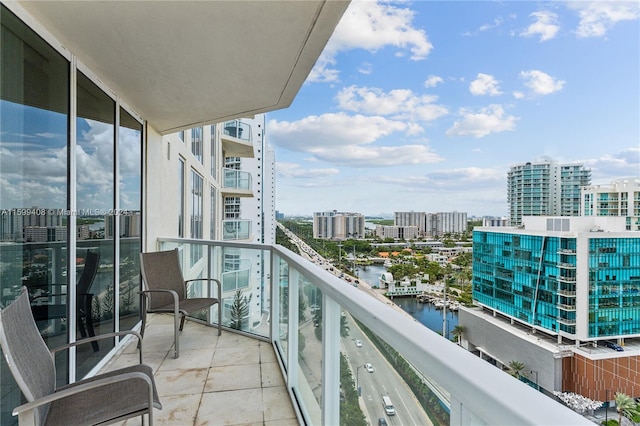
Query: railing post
(292, 329)
(331, 361)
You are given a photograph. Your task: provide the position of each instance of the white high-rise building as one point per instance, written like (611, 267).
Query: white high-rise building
(411, 219)
(226, 191)
(334, 225)
(433, 224)
(619, 198)
(545, 188)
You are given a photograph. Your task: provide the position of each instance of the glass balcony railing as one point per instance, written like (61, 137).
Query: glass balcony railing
(237, 129)
(236, 180)
(237, 139)
(342, 348)
(236, 230)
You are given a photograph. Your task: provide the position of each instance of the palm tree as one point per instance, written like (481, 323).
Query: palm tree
(515, 367)
(457, 332)
(624, 405)
(240, 310)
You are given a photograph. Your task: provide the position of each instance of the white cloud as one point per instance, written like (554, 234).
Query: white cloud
(379, 156)
(292, 170)
(597, 17)
(398, 103)
(484, 84)
(491, 119)
(365, 68)
(614, 166)
(348, 140)
(545, 25)
(485, 27)
(496, 23)
(518, 95)
(371, 26)
(541, 83)
(432, 81)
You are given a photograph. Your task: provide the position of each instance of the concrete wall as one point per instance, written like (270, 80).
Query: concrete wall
(160, 196)
(507, 347)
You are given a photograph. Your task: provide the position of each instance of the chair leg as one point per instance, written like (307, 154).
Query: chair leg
(219, 319)
(182, 318)
(176, 335)
(143, 308)
(89, 319)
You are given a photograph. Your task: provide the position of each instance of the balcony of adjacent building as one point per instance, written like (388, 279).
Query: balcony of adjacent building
(236, 229)
(237, 140)
(236, 183)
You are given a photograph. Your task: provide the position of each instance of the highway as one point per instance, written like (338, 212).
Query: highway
(384, 380)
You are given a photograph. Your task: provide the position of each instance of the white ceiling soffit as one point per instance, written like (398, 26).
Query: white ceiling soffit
(180, 64)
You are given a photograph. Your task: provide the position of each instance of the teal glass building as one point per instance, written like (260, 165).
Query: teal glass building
(564, 276)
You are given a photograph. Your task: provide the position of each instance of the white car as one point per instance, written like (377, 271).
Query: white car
(359, 343)
(369, 367)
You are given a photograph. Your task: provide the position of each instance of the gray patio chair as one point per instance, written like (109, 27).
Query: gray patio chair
(165, 291)
(106, 398)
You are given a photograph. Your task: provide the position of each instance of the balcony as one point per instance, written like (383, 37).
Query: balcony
(566, 265)
(568, 308)
(236, 183)
(290, 343)
(233, 230)
(236, 139)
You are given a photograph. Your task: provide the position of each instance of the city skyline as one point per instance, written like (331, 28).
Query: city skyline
(424, 106)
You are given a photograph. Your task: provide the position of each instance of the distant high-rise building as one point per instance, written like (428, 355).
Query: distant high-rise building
(397, 232)
(545, 188)
(495, 221)
(619, 198)
(433, 224)
(411, 219)
(450, 223)
(334, 225)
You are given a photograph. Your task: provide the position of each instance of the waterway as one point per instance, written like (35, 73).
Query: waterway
(425, 313)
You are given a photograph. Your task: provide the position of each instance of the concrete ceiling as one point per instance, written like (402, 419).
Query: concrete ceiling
(180, 64)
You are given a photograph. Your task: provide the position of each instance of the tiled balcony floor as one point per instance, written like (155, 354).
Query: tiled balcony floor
(217, 380)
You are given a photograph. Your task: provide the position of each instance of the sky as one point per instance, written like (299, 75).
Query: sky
(426, 105)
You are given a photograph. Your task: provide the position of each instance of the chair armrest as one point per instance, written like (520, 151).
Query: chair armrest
(64, 393)
(218, 284)
(100, 337)
(162, 290)
(176, 299)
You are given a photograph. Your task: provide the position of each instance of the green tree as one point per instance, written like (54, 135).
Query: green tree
(515, 368)
(239, 310)
(625, 405)
(344, 327)
(457, 332)
(302, 307)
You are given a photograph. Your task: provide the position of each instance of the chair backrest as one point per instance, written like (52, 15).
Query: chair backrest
(88, 272)
(161, 270)
(25, 351)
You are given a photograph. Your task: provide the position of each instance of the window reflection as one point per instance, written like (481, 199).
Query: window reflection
(130, 181)
(34, 113)
(95, 204)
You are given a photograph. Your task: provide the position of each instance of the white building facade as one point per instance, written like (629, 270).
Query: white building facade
(619, 198)
(334, 225)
